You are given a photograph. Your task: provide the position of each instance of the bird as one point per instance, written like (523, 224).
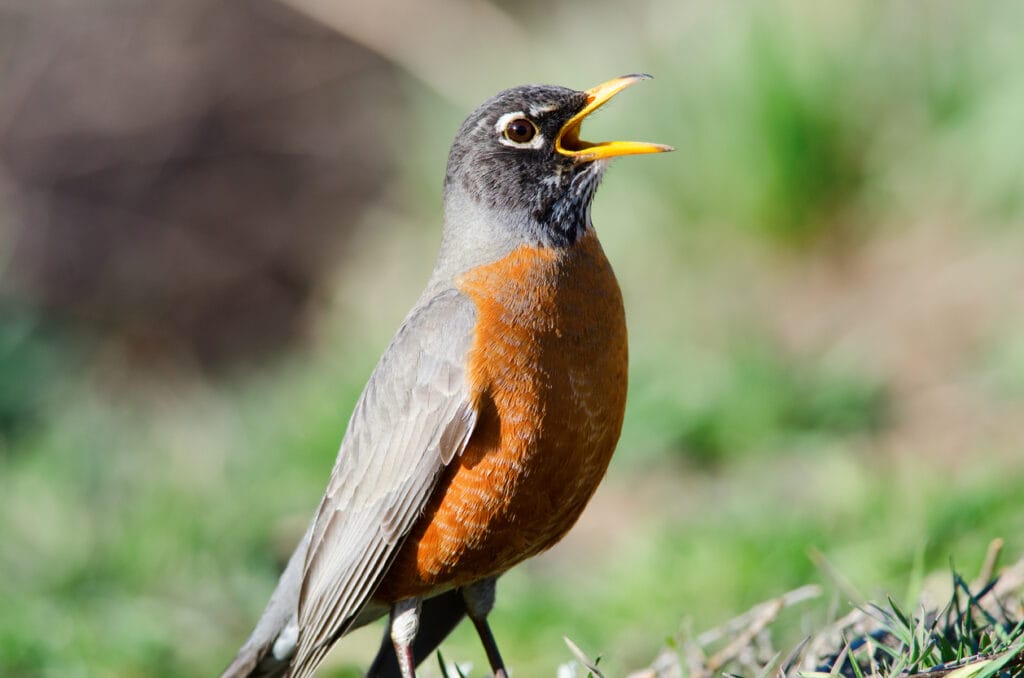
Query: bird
(492, 416)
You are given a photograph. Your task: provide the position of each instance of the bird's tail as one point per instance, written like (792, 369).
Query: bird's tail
(268, 651)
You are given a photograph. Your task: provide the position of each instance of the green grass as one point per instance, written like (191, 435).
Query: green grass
(130, 545)
(765, 403)
(144, 518)
(979, 631)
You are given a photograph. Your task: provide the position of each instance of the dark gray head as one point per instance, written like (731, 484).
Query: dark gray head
(518, 158)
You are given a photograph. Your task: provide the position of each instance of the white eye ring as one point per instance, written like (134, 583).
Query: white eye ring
(536, 142)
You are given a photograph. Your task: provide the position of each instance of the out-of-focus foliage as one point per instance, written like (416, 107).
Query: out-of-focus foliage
(32, 358)
(817, 122)
(765, 404)
(824, 289)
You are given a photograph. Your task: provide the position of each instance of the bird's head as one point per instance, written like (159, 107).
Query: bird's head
(519, 160)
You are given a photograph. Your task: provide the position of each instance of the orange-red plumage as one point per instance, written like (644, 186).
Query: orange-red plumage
(492, 416)
(548, 371)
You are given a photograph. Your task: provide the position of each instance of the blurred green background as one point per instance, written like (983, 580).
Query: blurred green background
(213, 215)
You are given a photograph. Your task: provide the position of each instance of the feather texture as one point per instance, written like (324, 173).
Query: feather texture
(415, 415)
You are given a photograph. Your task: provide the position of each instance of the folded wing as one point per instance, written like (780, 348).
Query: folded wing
(414, 416)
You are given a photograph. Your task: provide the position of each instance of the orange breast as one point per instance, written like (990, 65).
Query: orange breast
(548, 370)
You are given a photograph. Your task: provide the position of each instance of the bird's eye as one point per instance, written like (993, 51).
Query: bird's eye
(520, 130)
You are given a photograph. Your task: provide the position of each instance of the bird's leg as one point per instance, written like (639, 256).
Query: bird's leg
(479, 597)
(405, 622)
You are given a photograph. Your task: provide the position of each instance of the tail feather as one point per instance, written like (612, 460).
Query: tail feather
(268, 651)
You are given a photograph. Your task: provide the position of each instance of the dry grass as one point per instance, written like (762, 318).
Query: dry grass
(978, 631)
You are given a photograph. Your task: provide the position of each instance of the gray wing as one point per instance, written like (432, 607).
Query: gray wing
(414, 416)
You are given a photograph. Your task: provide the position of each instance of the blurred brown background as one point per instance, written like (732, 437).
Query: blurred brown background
(213, 215)
(183, 176)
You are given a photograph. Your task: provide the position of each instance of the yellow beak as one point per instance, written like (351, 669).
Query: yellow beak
(569, 143)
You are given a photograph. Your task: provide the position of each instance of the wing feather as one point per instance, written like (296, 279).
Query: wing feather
(415, 415)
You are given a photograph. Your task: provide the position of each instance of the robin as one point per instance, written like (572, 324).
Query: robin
(491, 418)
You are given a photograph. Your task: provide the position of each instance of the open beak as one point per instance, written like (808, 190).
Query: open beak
(569, 143)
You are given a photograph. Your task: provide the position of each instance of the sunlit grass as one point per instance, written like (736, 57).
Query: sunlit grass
(143, 520)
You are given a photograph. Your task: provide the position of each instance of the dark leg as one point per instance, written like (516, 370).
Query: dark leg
(405, 622)
(479, 597)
